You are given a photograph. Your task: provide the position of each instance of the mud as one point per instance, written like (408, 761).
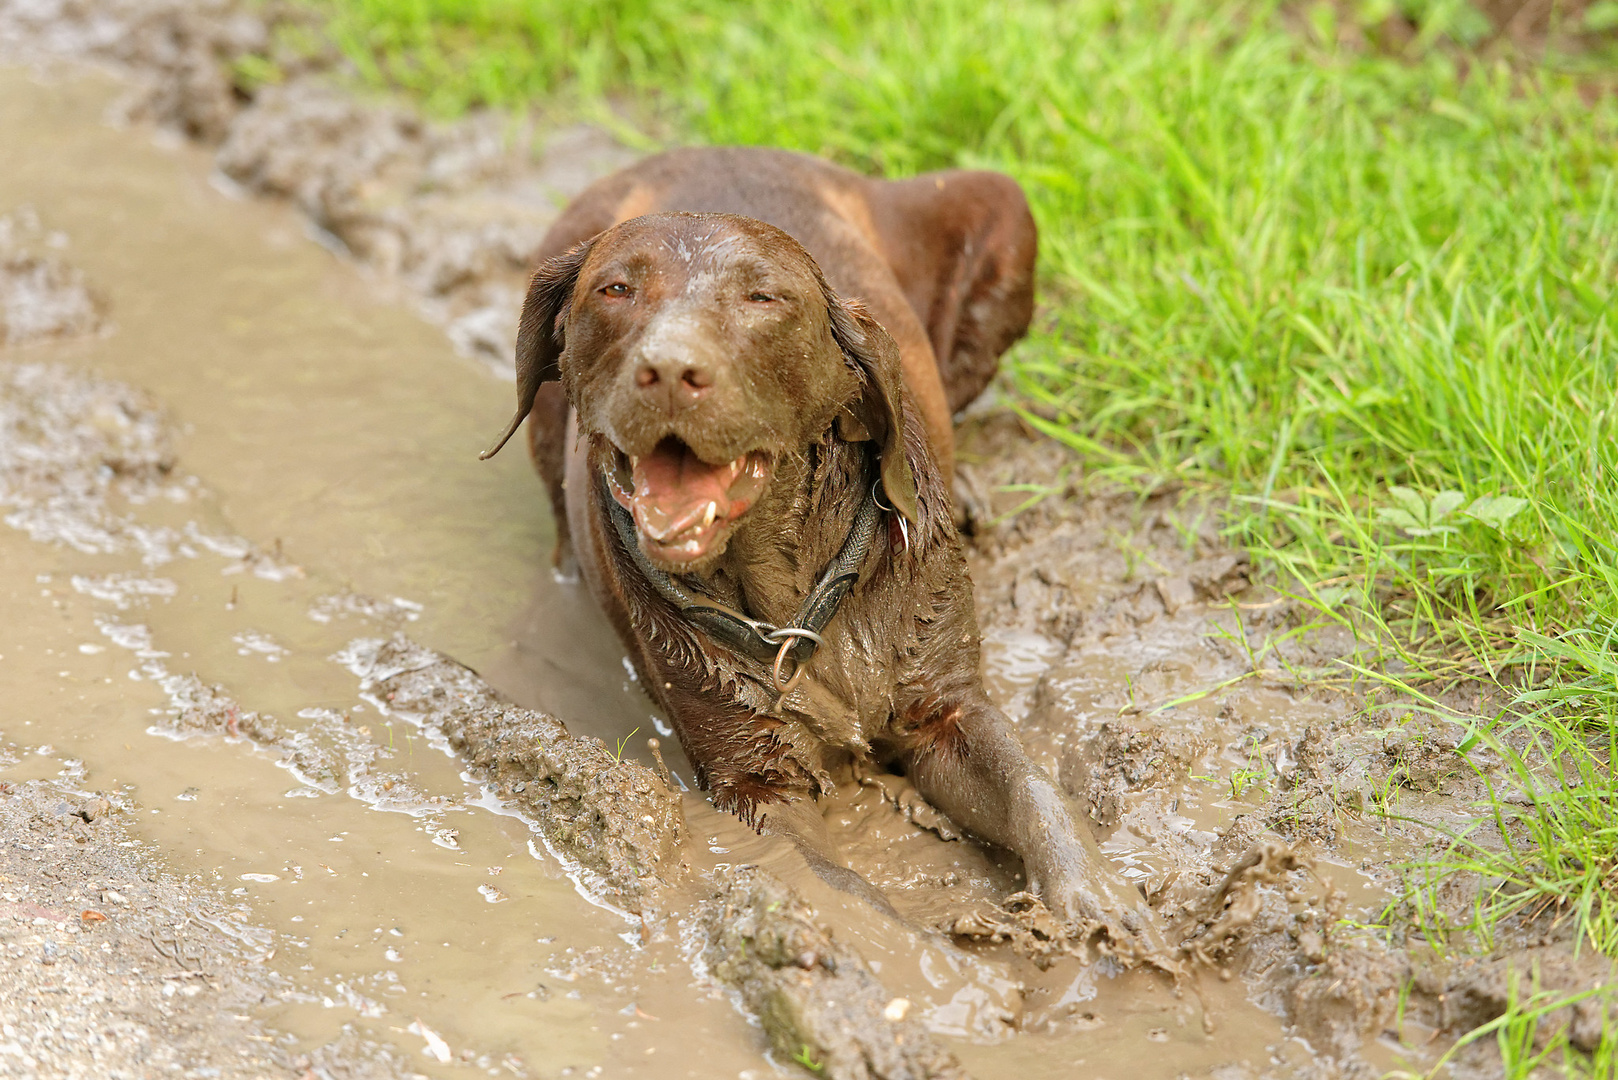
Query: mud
(614, 820)
(1166, 691)
(815, 996)
(90, 470)
(615, 825)
(449, 213)
(453, 880)
(41, 295)
(115, 965)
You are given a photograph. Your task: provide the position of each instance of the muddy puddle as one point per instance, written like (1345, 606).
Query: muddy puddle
(296, 470)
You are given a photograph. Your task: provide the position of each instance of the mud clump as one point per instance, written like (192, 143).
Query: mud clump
(1475, 991)
(614, 820)
(814, 995)
(183, 52)
(1022, 922)
(69, 443)
(77, 451)
(1349, 994)
(1119, 758)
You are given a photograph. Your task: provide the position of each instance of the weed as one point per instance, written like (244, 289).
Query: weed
(1255, 774)
(618, 754)
(1546, 840)
(805, 1057)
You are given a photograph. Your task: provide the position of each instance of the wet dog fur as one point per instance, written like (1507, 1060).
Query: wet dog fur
(732, 343)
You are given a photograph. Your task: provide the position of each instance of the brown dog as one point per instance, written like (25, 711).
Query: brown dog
(755, 472)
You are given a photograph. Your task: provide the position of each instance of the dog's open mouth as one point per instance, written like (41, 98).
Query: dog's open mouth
(683, 506)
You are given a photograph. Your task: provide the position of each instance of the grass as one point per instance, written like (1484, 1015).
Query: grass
(1533, 1039)
(1363, 286)
(1542, 847)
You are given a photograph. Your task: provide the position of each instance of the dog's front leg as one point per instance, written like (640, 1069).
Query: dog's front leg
(799, 821)
(744, 763)
(966, 761)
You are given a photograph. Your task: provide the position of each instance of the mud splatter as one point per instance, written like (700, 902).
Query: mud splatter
(42, 295)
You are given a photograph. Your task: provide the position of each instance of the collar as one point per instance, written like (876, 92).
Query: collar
(763, 641)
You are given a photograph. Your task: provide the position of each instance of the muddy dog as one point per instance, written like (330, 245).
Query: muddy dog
(753, 468)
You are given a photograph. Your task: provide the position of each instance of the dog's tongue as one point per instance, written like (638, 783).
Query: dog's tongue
(674, 489)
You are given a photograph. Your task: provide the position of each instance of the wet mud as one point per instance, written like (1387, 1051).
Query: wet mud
(613, 820)
(118, 966)
(450, 213)
(270, 610)
(1266, 821)
(815, 996)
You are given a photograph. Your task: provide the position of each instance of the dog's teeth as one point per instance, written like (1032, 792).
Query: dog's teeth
(634, 462)
(709, 515)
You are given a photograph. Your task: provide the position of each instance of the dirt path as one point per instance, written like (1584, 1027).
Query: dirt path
(307, 446)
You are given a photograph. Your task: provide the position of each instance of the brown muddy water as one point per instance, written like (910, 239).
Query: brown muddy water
(325, 422)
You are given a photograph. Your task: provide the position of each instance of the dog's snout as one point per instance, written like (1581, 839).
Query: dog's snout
(674, 378)
(678, 379)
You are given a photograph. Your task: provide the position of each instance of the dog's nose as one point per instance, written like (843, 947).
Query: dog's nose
(675, 380)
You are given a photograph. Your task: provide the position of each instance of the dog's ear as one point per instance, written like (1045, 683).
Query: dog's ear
(879, 409)
(539, 334)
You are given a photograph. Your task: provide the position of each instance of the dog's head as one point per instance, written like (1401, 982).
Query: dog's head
(706, 348)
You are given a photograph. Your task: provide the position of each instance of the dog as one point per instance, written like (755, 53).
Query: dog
(739, 368)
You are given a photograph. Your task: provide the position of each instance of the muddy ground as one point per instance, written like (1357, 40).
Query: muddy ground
(248, 534)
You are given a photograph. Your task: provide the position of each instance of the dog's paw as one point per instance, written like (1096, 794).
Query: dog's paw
(1089, 910)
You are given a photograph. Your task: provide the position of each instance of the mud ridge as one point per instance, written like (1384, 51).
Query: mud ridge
(614, 820)
(816, 997)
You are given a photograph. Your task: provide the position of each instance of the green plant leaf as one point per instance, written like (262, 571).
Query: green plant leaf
(1444, 504)
(1411, 502)
(1399, 519)
(1495, 510)
(1601, 16)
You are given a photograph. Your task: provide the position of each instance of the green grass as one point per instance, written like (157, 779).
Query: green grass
(1542, 845)
(1366, 292)
(1532, 1038)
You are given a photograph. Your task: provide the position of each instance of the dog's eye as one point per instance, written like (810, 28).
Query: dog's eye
(761, 298)
(616, 289)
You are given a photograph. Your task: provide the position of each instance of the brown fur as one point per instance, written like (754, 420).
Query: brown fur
(739, 260)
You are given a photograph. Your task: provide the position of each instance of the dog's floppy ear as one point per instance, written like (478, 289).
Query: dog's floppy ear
(878, 409)
(539, 334)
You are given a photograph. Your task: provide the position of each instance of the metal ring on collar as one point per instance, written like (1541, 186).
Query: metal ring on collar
(787, 633)
(785, 688)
